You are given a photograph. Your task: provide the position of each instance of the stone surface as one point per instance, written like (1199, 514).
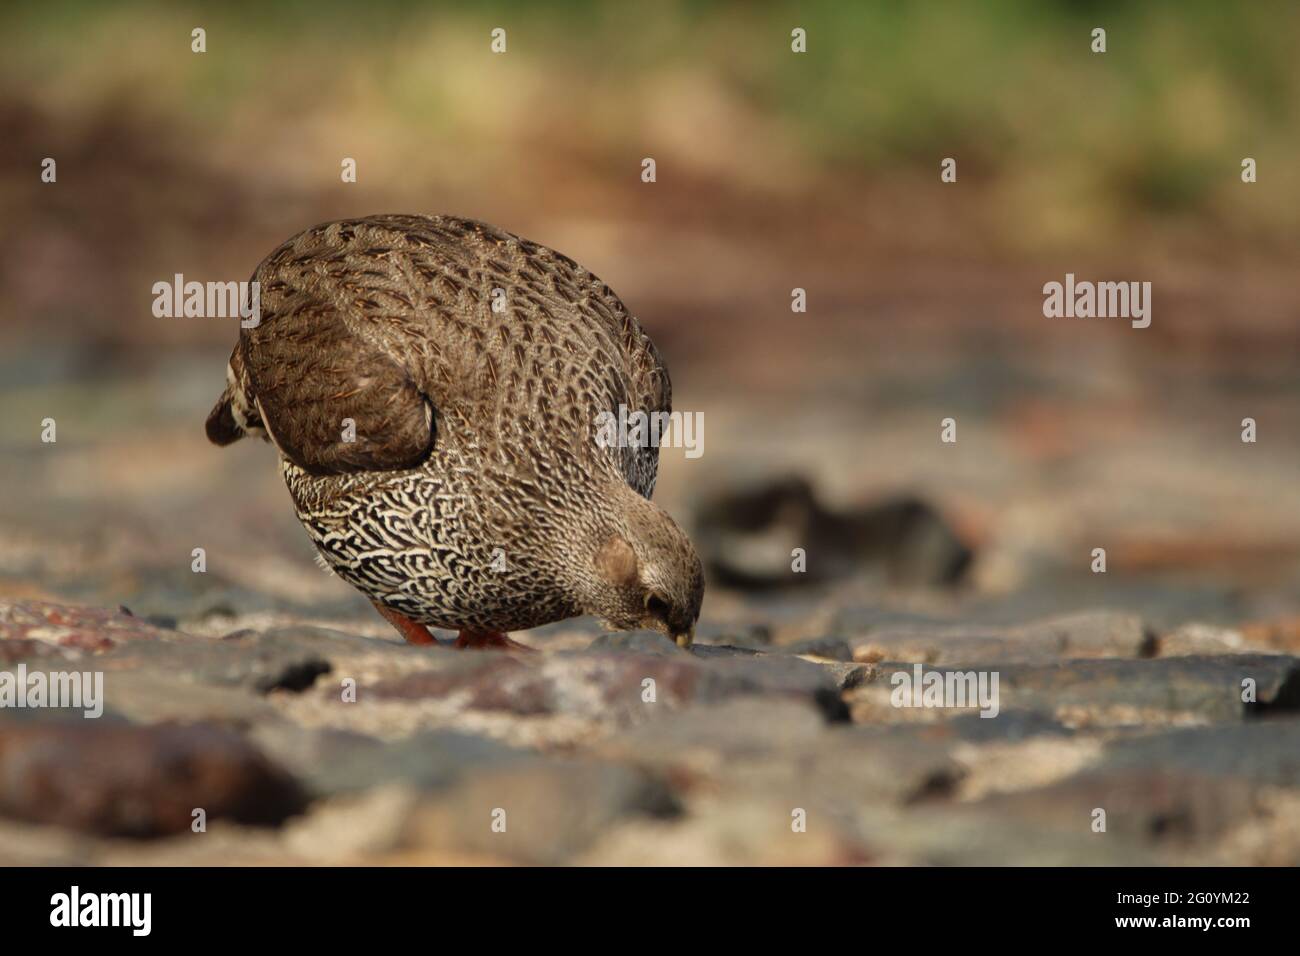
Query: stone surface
(1106, 692)
(600, 684)
(119, 780)
(260, 662)
(539, 812)
(314, 745)
(1090, 634)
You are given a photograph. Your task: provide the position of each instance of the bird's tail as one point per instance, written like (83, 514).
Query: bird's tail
(235, 414)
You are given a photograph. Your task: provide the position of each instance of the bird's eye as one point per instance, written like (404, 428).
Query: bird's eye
(656, 607)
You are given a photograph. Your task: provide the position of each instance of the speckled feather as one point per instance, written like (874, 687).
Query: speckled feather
(475, 427)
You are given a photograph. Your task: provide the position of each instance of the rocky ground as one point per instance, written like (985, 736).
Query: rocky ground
(312, 745)
(270, 696)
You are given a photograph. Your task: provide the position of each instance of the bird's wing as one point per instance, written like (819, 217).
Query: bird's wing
(387, 321)
(318, 372)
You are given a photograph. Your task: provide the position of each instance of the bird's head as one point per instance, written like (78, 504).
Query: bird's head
(644, 573)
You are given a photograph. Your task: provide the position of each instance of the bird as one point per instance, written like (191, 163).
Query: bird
(432, 387)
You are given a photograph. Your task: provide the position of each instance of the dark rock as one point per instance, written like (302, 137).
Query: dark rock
(260, 662)
(849, 676)
(746, 538)
(755, 637)
(639, 642)
(120, 780)
(714, 651)
(830, 648)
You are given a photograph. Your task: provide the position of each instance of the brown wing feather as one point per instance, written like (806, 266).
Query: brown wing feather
(331, 403)
(332, 394)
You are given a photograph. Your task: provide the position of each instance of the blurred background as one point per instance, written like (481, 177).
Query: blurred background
(774, 171)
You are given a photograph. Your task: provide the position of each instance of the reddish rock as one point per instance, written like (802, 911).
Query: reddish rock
(79, 628)
(119, 780)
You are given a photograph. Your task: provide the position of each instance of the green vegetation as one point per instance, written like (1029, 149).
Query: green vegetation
(1157, 125)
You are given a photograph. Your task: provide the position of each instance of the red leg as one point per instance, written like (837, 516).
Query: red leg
(482, 640)
(414, 632)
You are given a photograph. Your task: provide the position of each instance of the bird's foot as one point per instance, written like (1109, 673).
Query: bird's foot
(412, 631)
(482, 640)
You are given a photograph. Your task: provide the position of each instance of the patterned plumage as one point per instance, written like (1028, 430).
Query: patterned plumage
(433, 387)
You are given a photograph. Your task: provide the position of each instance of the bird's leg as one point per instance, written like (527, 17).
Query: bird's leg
(412, 631)
(481, 640)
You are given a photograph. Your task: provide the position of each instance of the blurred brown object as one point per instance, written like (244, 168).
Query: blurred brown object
(747, 538)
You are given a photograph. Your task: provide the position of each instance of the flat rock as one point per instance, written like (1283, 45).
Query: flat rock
(259, 662)
(602, 684)
(121, 780)
(1258, 751)
(1089, 634)
(1106, 692)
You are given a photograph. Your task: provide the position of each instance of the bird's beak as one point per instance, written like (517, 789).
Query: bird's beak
(685, 640)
